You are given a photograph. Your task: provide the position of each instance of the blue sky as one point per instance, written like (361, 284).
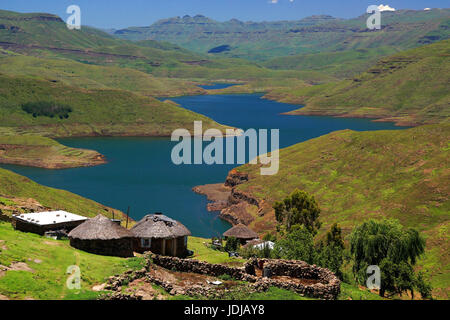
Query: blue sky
(120, 14)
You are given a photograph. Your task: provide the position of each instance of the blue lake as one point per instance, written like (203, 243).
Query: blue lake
(140, 174)
(218, 85)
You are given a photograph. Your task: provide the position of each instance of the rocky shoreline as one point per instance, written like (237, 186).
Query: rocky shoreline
(234, 205)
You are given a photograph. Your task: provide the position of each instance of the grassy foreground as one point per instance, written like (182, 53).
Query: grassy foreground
(41, 273)
(356, 176)
(44, 276)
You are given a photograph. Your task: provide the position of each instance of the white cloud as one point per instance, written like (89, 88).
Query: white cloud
(383, 7)
(427, 9)
(276, 1)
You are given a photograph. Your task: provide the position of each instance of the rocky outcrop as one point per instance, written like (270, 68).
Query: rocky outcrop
(237, 213)
(235, 206)
(235, 178)
(240, 196)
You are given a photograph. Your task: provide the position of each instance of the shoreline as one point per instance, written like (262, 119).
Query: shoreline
(234, 206)
(270, 95)
(41, 152)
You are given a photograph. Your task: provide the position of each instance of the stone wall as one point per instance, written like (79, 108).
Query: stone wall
(298, 276)
(317, 282)
(201, 267)
(325, 286)
(4, 217)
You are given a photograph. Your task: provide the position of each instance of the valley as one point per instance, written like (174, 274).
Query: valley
(86, 118)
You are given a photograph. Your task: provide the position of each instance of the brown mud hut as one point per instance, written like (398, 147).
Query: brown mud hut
(102, 236)
(241, 232)
(161, 235)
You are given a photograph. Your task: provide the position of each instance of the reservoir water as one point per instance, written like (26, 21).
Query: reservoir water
(140, 174)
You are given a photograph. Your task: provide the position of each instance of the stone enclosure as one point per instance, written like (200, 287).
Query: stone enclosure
(298, 276)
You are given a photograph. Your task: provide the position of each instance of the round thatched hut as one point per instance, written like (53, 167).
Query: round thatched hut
(102, 236)
(241, 232)
(161, 235)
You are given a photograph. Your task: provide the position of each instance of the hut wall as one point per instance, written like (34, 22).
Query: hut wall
(157, 246)
(117, 247)
(168, 247)
(181, 247)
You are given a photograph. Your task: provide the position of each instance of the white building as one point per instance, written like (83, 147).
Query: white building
(41, 222)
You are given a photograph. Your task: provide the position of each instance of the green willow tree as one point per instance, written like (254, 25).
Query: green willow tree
(330, 253)
(394, 249)
(299, 208)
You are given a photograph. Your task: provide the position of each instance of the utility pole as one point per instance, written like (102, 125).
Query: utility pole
(128, 213)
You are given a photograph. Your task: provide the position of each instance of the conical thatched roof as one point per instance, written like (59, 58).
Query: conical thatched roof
(241, 231)
(159, 226)
(100, 228)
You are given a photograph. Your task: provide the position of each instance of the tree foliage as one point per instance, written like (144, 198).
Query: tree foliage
(298, 244)
(298, 208)
(47, 109)
(232, 244)
(330, 254)
(393, 248)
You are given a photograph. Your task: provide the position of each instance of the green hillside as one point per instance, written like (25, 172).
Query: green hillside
(409, 88)
(360, 175)
(47, 36)
(344, 47)
(93, 112)
(90, 76)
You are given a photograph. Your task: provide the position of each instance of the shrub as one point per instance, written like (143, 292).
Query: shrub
(232, 244)
(47, 109)
(298, 208)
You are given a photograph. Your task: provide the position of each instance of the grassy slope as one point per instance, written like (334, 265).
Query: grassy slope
(49, 31)
(89, 76)
(339, 64)
(204, 253)
(95, 112)
(360, 175)
(45, 153)
(49, 260)
(409, 88)
(35, 35)
(16, 186)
